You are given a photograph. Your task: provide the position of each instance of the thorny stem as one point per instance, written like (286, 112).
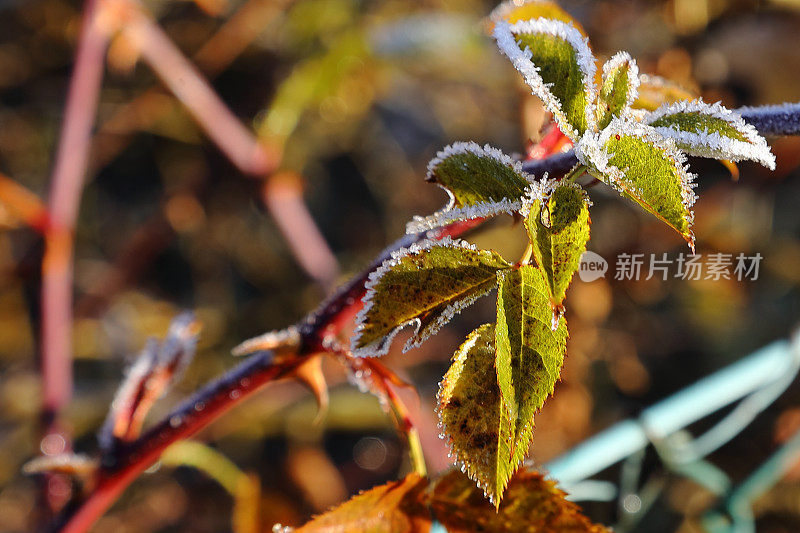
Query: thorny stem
(317, 332)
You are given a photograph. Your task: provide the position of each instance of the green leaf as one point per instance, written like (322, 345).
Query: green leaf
(531, 343)
(532, 505)
(619, 89)
(512, 11)
(558, 228)
(557, 64)
(425, 284)
(477, 424)
(644, 167)
(711, 131)
(481, 182)
(397, 506)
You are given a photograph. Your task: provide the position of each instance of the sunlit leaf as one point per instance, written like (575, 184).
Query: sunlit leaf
(512, 11)
(532, 504)
(396, 507)
(645, 167)
(619, 88)
(557, 64)
(477, 425)
(424, 285)
(558, 228)
(655, 91)
(711, 130)
(481, 182)
(530, 344)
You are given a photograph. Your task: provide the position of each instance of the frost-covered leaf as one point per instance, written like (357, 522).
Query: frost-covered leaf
(425, 284)
(532, 504)
(645, 167)
(530, 344)
(512, 11)
(558, 228)
(557, 64)
(478, 426)
(481, 182)
(711, 130)
(619, 89)
(396, 507)
(655, 91)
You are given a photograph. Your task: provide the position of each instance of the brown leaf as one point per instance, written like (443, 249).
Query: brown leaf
(396, 507)
(531, 504)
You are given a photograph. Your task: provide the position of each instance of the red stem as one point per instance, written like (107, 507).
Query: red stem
(65, 194)
(204, 407)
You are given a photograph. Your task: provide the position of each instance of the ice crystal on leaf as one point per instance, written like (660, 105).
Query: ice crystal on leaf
(480, 181)
(557, 64)
(632, 132)
(639, 153)
(711, 130)
(424, 285)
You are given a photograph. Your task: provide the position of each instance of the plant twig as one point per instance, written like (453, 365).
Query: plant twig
(317, 332)
(188, 85)
(237, 142)
(65, 193)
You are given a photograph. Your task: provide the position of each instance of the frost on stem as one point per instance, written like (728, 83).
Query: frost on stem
(156, 368)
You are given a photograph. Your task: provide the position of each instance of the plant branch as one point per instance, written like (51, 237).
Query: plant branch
(237, 142)
(118, 470)
(65, 193)
(317, 333)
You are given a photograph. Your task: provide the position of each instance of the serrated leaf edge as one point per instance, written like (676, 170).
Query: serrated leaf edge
(521, 59)
(448, 215)
(591, 152)
(713, 144)
(453, 453)
(471, 147)
(381, 346)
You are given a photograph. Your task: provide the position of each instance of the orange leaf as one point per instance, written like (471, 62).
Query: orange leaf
(396, 507)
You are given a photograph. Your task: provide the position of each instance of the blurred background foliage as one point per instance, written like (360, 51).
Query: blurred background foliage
(358, 95)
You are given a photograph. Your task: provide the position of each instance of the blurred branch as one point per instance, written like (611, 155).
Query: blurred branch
(228, 43)
(188, 85)
(24, 204)
(65, 194)
(237, 142)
